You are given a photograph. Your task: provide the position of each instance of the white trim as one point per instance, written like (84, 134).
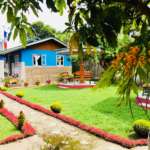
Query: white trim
(63, 61)
(33, 61)
(42, 65)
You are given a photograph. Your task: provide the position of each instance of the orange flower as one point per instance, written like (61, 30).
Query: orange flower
(131, 59)
(120, 55)
(141, 60)
(134, 50)
(115, 63)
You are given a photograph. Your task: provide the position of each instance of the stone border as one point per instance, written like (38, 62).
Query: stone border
(27, 129)
(96, 131)
(61, 85)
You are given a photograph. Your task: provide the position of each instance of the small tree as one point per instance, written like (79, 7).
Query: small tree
(1, 103)
(21, 120)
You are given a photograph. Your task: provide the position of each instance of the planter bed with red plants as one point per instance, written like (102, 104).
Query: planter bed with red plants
(27, 129)
(129, 143)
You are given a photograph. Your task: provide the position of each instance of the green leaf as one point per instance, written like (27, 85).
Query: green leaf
(60, 5)
(135, 88)
(50, 4)
(15, 33)
(10, 14)
(23, 36)
(34, 10)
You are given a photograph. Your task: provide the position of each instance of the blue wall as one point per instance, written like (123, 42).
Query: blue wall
(26, 56)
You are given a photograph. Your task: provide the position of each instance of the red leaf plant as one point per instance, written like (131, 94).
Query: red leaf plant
(27, 129)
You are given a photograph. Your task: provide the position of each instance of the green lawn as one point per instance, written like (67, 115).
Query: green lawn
(6, 128)
(97, 108)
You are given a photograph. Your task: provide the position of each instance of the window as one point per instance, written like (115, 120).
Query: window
(16, 57)
(43, 60)
(39, 60)
(60, 60)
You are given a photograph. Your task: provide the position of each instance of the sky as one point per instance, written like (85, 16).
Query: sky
(49, 18)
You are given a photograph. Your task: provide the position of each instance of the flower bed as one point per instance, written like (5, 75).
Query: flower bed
(96, 131)
(27, 129)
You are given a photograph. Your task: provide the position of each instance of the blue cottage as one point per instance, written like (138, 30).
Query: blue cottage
(39, 61)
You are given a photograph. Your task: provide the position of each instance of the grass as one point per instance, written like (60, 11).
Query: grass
(97, 108)
(6, 128)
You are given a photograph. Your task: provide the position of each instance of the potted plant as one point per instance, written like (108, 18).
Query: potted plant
(48, 81)
(26, 84)
(6, 82)
(37, 83)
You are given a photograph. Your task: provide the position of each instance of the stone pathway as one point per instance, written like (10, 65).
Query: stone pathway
(45, 124)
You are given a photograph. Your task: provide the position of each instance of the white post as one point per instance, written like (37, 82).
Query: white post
(1, 70)
(149, 140)
(22, 71)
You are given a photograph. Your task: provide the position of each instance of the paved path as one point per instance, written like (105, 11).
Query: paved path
(45, 124)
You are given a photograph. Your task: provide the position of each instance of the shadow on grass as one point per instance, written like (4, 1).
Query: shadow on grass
(133, 135)
(53, 88)
(109, 107)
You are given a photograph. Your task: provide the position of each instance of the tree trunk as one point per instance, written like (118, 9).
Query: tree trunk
(81, 71)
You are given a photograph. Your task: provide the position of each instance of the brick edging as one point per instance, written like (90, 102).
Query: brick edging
(27, 129)
(129, 143)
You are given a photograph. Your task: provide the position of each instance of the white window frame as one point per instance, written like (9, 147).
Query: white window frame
(57, 58)
(41, 60)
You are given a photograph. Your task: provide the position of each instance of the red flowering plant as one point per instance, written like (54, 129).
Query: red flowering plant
(129, 69)
(48, 81)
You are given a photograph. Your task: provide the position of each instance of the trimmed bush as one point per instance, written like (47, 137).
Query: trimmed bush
(20, 94)
(1, 103)
(141, 127)
(21, 120)
(3, 88)
(56, 107)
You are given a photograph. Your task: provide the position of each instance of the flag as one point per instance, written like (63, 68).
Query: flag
(1, 45)
(5, 39)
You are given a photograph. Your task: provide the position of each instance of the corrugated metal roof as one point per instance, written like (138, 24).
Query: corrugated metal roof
(3, 52)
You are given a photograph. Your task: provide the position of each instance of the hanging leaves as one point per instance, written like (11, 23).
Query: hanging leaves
(74, 42)
(60, 5)
(23, 37)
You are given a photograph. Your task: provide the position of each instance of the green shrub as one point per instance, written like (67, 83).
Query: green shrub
(63, 142)
(21, 120)
(1, 103)
(3, 88)
(20, 94)
(141, 127)
(56, 107)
